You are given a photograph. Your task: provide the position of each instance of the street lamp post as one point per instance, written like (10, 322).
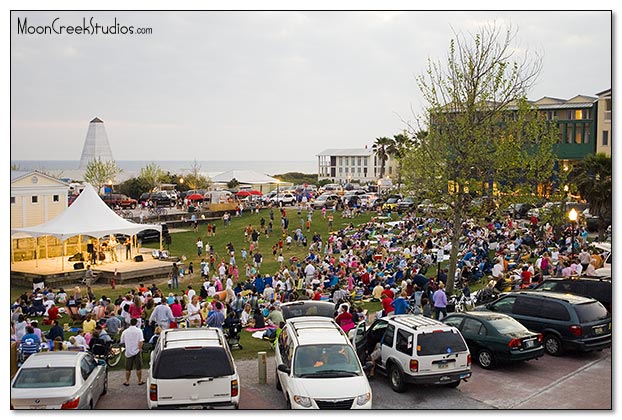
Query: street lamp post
(572, 216)
(278, 203)
(110, 193)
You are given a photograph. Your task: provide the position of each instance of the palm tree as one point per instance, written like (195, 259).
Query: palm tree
(397, 149)
(380, 150)
(592, 177)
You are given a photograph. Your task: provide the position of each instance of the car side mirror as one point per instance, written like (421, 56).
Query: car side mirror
(101, 362)
(283, 368)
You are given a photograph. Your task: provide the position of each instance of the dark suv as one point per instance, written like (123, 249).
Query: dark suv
(599, 289)
(566, 321)
(161, 198)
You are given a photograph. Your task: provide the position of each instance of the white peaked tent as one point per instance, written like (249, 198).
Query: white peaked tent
(88, 215)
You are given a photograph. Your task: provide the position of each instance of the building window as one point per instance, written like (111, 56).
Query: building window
(346, 169)
(340, 170)
(56, 198)
(605, 139)
(340, 160)
(34, 199)
(608, 109)
(13, 200)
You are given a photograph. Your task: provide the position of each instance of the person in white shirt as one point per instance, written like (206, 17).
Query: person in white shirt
(194, 312)
(133, 339)
(191, 292)
(497, 269)
(162, 315)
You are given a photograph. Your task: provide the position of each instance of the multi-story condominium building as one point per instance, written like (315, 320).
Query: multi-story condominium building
(603, 122)
(352, 165)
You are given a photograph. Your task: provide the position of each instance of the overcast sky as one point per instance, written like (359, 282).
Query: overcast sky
(261, 85)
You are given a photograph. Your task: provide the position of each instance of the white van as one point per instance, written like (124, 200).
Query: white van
(317, 367)
(192, 367)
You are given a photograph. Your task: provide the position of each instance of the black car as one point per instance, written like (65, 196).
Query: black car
(568, 322)
(152, 235)
(493, 338)
(406, 204)
(161, 199)
(520, 210)
(597, 288)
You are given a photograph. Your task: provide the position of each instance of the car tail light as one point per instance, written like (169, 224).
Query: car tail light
(576, 330)
(469, 360)
(234, 388)
(540, 337)
(414, 365)
(71, 404)
(515, 342)
(153, 392)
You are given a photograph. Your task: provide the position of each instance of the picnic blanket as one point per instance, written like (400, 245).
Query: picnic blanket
(260, 329)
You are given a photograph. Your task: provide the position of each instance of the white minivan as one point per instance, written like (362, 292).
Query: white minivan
(317, 366)
(192, 367)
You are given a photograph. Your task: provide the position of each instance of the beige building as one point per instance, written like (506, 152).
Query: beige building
(603, 134)
(36, 198)
(353, 165)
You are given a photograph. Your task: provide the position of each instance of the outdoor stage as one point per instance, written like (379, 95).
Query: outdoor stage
(52, 272)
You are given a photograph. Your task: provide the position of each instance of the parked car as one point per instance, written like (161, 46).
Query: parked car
(406, 204)
(121, 200)
(192, 367)
(519, 210)
(326, 200)
(59, 380)
(495, 338)
(162, 198)
(307, 308)
(391, 203)
(152, 235)
(597, 288)
(317, 367)
(568, 322)
(415, 349)
(283, 198)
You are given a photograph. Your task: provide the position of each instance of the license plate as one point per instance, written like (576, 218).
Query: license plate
(528, 344)
(443, 365)
(599, 330)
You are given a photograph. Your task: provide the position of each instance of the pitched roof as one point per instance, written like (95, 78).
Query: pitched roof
(245, 177)
(88, 215)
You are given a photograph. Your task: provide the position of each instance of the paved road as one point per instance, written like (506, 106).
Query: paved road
(547, 383)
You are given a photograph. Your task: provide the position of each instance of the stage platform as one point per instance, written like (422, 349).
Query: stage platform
(50, 270)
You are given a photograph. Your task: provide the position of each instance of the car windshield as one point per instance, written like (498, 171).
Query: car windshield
(440, 342)
(307, 308)
(52, 377)
(326, 361)
(193, 362)
(592, 311)
(507, 325)
(392, 200)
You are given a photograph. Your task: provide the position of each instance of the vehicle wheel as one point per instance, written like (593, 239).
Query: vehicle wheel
(486, 359)
(114, 355)
(172, 204)
(453, 384)
(133, 206)
(105, 390)
(397, 379)
(553, 345)
(278, 383)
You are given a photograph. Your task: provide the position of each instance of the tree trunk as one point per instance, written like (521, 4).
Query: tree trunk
(455, 246)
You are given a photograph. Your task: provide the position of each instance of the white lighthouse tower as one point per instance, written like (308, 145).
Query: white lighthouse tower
(96, 144)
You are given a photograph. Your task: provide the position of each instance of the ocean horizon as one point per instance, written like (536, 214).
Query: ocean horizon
(132, 168)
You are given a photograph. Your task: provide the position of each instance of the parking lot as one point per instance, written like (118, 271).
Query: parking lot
(547, 383)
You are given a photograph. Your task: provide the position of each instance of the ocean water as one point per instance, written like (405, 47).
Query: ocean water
(132, 167)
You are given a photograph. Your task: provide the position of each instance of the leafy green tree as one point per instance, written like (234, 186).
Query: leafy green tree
(593, 179)
(233, 184)
(133, 187)
(379, 148)
(151, 175)
(475, 125)
(195, 180)
(99, 173)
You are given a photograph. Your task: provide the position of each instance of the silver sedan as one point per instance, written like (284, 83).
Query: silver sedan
(59, 380)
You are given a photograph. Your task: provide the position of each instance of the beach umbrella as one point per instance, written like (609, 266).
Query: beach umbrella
(195, 197)
(242, 193)
(255, 192)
